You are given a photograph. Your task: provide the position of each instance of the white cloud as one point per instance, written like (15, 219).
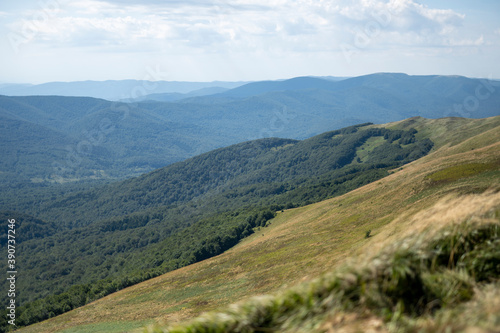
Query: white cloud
(257, 31)
(397, 21)
(467, 42)
(245, 25)
(95, 7)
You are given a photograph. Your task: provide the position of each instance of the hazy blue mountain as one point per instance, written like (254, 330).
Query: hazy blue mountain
(332, 78)
(172, 97)
(301, 107)
(298, 83)
(112, 89)
(250, 89)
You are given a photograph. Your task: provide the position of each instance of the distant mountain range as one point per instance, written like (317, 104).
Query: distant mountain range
(54, 138)
(127, 90)
(112, 90)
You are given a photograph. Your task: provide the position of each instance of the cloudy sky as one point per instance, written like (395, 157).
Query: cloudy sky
(196, 40)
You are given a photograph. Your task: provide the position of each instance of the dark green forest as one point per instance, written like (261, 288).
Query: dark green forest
(77, 246)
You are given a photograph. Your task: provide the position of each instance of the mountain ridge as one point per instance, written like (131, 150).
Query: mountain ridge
(300, 243)
(297, 83)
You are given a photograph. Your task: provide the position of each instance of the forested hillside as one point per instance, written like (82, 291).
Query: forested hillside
(424, 215)
(52, 139)
(190, 211)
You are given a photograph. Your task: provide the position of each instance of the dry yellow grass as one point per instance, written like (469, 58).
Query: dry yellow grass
(449, 211)
(450, 216)
(303, 243)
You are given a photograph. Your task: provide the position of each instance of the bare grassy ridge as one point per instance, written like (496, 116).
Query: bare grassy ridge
(301, 244)
(411, 284)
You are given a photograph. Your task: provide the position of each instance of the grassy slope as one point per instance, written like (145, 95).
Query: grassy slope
(303, 243)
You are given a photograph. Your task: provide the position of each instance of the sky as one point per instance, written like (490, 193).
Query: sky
(245, 40)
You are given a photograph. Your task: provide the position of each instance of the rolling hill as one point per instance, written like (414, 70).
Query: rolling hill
(53, 139)
(397, 224)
